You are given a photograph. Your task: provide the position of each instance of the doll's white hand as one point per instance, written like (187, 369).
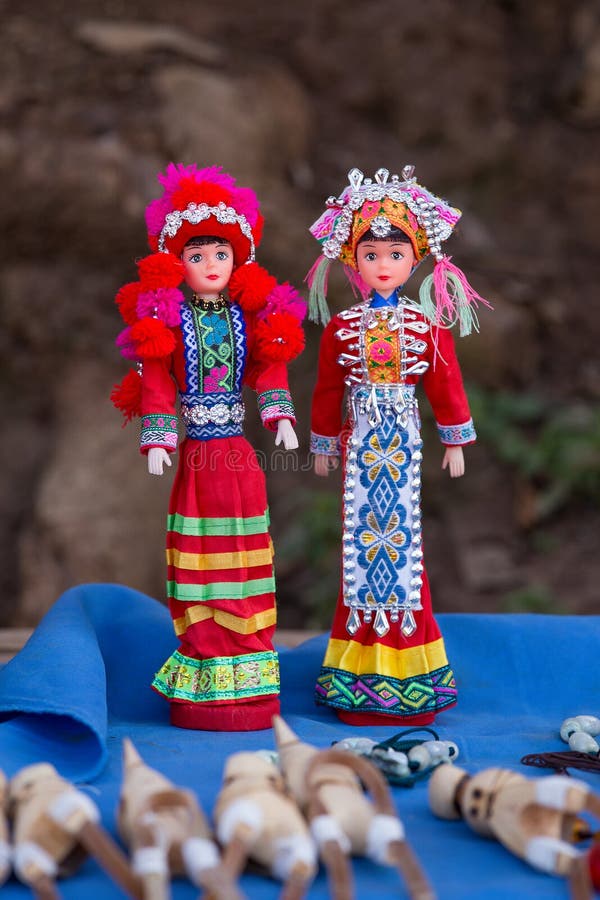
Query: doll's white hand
(454, 460)
(324, 464)
(286, 435)
(157, 457)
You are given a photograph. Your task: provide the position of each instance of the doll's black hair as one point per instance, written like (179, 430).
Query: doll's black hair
(394, 234)
(201, 240)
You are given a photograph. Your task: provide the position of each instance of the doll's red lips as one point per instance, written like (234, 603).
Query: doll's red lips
(212, 277)
(384, 277)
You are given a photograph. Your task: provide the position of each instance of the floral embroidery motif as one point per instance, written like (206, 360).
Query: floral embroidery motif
(216, 329)
(159, 431)
(217, 349)
(324, 444)
(219, 678)
(275, 405)
(213, 382)
(383, 354)
(457, 434)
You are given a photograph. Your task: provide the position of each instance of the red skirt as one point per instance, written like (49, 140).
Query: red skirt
(221, 591)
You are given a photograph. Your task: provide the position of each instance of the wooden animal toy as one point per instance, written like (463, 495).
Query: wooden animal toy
(536, 819)
(54, 825)
(344, 820)
(167, 833)
(257, 821)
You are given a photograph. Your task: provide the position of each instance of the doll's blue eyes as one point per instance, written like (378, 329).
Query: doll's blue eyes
(220, 255)
(395, 254)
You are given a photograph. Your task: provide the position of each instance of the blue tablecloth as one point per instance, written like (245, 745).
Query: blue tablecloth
(81, 684)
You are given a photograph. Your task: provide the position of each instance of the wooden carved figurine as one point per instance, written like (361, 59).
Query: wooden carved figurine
(167, 833)
(344, 821)
(256, 820)
(4, 843)
(535, 819)
(54, 825)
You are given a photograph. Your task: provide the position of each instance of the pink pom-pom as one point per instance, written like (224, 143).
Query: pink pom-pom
(285, 298)
(165, 303)
(173, 174)
(126, 345)
(244, 200)
(156, 212)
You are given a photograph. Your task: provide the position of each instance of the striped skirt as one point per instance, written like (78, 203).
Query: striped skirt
(221, 591)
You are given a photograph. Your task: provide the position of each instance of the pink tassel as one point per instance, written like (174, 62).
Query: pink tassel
(446, 305)
(359, 286)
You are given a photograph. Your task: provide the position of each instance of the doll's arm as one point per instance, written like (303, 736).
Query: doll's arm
(454, 461)
(157, 458)
(324, 464)
(286, 435)
(159, 420)
(270, 381)
(445, 391)
(326, 416)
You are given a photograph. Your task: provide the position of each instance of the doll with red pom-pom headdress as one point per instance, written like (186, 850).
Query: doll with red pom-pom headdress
(386, 662)
(240, 326)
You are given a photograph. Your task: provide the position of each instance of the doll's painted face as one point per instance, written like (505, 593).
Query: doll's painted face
(384, 264)
(208, 265)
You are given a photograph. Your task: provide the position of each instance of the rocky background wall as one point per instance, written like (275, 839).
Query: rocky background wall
(498, 106)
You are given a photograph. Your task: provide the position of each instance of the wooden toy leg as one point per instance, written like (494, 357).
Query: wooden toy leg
(44, 888)
(235, 853)
(408, 865)
(580, 882)
(297, 884)
(106, 853)
(339, 871)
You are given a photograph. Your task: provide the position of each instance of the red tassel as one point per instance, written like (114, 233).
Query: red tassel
(152, 339)
(279, 338)
(160, 270)
(250, 285)
(127, 396)
(126, 300)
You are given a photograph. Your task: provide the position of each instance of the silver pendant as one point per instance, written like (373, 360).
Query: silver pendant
(353, 622)
(409, 626)
(381, 625)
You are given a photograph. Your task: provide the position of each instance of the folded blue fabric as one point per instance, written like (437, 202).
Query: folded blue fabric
(81, 684)
(96, 650)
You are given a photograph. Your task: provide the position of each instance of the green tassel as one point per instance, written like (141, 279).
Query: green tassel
(426, 301)
(318, 311)
(464, 310)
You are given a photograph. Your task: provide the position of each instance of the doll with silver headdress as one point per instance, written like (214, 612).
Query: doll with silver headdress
(386, 661)
(240, 327)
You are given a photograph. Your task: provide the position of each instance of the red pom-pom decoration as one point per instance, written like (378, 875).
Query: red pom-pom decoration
(279, 338)
(250, 285)
(160, 270)
(127, 396)
(152, 338)
(126, 300)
